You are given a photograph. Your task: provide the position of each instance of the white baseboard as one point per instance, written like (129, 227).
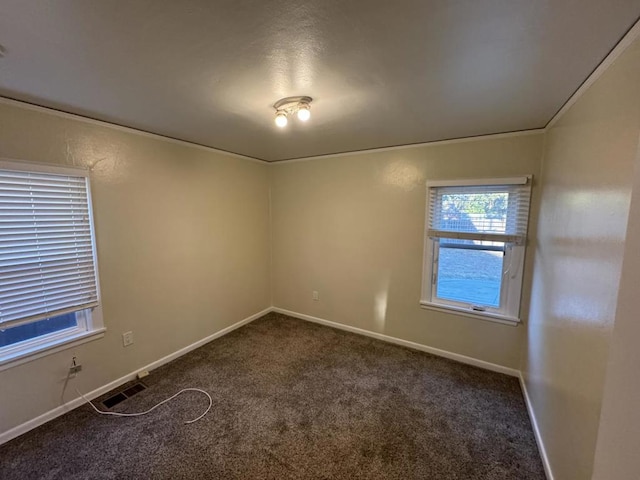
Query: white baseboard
(199, 343)
(405, 343)
(536, 430)
(70, 405)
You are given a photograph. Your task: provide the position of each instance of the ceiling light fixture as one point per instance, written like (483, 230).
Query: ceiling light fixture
(300, 106)
(281, 119)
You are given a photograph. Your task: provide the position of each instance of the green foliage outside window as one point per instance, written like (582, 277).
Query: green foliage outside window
(493, 205)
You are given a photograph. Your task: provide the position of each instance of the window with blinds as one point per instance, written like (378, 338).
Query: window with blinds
(474, 245)
(47, 249)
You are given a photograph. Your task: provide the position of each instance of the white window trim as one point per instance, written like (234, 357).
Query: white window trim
(90, 323)
(464, 312)
(45, 345)
(510, 296)
(471, 182)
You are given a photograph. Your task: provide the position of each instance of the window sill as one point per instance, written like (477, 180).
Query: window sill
(57, 345)
(490, 317)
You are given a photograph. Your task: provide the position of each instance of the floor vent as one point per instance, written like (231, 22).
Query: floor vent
(119, 397)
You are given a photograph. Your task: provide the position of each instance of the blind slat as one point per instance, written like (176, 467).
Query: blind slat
(38, 272)
(44, 226)
(28, 302)
(36, 191)
(37, 284)
(44, 246)
(42, 255)
(37, 212)
(42, 232)
(497, 213)
(52, 314)
(480, 237)
(13, 194)
(27, 176)
(44, 259)
(25, 182)
(25, 299)
(29, 242)
(38, 312)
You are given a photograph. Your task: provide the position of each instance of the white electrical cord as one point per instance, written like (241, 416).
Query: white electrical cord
(116, 414)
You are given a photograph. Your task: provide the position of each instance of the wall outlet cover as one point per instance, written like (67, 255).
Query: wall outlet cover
(127, 339)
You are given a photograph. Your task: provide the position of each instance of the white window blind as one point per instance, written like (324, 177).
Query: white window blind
(47, 254)
(494, 213)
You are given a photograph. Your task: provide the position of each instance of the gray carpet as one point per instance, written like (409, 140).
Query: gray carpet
(295, 400)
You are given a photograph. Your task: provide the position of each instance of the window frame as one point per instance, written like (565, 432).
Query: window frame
(511, 285)
(90, 325)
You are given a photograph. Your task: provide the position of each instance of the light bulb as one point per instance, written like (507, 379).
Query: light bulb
(304, 113)
(281, 119)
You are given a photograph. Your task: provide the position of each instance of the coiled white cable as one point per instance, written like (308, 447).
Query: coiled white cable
(116, 414)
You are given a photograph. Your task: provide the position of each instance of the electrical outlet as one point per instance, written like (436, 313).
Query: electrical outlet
(316, 295)
(127, 339)
(75, 368)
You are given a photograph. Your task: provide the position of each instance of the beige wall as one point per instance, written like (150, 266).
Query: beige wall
(183, 248)
(619, 431)
(351, 227)
(586, 189)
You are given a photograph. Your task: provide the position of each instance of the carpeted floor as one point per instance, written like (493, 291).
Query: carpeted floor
(295, 400)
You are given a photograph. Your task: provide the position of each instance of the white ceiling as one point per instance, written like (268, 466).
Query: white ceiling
(381, 72)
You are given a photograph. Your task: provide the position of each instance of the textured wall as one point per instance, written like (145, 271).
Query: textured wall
(619, 432)
(351, 227)
(586, 188)
(183, 248)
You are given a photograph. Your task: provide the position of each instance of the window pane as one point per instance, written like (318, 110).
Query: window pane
(29, 331)
(469, 275)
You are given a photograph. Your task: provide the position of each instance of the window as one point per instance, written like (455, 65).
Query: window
(474, 246)
(48, 270)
